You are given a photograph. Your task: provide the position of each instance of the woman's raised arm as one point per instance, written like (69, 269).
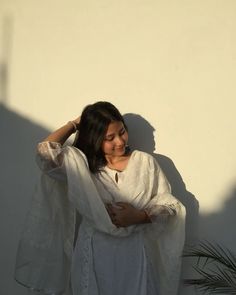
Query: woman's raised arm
(64, 132)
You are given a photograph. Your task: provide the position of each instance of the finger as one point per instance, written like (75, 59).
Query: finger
(117, 212)
(109, 208)
(117, 224)
(125, 205)
(110, 212)
(120, 205)
(117, 206)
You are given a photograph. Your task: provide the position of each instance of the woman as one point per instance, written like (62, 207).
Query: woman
(132, 229)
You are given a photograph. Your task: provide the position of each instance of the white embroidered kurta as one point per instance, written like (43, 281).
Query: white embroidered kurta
(141, 259)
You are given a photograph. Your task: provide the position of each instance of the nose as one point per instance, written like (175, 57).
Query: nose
(119, 141)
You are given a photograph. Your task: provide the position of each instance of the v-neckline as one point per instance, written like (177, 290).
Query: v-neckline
(126, 167)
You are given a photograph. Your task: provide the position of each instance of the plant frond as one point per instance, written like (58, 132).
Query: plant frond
(217, 269)
(208, 253)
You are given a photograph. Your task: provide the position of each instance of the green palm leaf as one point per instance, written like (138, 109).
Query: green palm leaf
(216, 267)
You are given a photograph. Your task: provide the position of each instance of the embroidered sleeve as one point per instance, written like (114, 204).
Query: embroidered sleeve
(163, 205)
(50, 159)
(161, 213)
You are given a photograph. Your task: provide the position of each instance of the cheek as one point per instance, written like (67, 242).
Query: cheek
(106, 146)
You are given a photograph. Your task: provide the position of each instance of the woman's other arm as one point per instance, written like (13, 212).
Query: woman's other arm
(159, 209)
(124, 214)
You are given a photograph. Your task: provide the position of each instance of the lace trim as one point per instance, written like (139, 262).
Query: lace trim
(161, 213)
(86, 260)
(49, 155)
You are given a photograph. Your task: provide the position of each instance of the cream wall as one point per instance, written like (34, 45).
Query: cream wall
(172, 62)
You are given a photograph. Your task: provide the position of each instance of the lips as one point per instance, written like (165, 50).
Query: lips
(120, 149)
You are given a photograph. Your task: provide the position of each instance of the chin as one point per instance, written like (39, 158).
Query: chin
(120, 152)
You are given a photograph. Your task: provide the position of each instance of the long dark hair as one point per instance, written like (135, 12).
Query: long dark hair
(93, 125)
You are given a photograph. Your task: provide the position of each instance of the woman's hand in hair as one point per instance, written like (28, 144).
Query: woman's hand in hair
(63, 133)
(77, 120)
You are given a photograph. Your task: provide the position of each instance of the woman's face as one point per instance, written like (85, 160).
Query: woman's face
(115, 139)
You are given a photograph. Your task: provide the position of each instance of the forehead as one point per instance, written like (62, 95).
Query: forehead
(114, 127)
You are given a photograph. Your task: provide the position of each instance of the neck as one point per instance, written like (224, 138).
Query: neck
(114, 159)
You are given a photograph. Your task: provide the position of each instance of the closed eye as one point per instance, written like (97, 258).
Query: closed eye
(122, 131)
(110, 137)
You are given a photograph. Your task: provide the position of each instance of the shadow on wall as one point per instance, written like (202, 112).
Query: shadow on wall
(211, 224)
(141, 137)
(19, 172)
(216, 227)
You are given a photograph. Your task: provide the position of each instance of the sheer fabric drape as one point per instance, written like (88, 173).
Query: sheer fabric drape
(67, 185)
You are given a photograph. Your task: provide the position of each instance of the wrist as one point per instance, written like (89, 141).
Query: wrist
(73, 125)
(145, 217)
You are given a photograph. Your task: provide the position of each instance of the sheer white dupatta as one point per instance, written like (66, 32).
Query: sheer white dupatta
(45, 249)
(44, 253)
